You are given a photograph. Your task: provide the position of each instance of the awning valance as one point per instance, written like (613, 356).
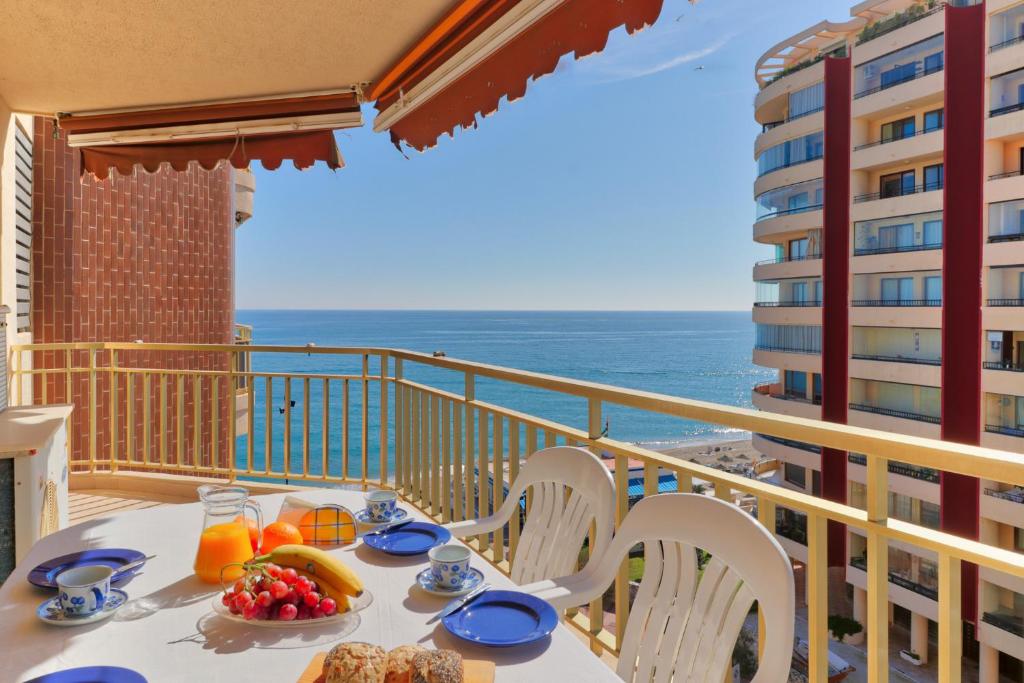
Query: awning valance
(486, 51)
(304, 149)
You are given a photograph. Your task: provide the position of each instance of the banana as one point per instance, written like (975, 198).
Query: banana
(318, 564)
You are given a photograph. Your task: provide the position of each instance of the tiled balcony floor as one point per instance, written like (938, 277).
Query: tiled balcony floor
(93, 503)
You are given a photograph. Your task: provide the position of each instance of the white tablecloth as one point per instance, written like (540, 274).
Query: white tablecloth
(166, 632)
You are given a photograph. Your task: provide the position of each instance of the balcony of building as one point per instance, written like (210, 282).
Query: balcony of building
(905, 355)
(1003, 361)
(414, 422)
(776, 397)
(1002, 614)
(905, 408)
(1004, 414)
(907, 76)
(1004, 297)
(788, 347)
(789, 451)
(787, 265)
(907, 137)
(898, 243)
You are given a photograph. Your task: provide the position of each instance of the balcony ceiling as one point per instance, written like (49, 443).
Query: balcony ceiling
(94, 55)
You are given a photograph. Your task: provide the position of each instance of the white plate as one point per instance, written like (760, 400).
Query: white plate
(425, 579)
(50, 612)
(363, 517)
(355, 605)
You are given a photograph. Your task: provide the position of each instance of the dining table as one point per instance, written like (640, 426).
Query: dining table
(169, 631)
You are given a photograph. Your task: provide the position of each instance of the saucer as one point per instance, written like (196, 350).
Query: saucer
(425, 579)
(51, 613)
(363, 517)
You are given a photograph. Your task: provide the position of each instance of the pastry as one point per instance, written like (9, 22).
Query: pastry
(441, 666)
(355, 663)
(398, 668)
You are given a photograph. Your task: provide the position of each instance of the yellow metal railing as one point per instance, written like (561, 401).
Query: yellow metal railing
(449, 453)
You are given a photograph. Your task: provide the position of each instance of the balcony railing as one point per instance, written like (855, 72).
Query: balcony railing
(791, 164)
(790, 212)
(1008, 109)
(1006, 237)
(1013, 495)
(1008, 174)
(1006, 43)
(897, 21)
(1006, 430)
(786, 349)
(896, 359)
(787, 304)
(896, 250)
(1011, 623)
(886, 141)
(920, 72)
(810, 448)
(788, 259)
(920, 473)
(1005, 302)
(901, 192)
(421, 425)
(899, 580)
(883, 303)
(920, 417)
(1009, 366)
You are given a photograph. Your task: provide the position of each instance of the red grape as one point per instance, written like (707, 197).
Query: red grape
(250, 611)
(265, 599)
(287, 612)
(273, 571)
(329, 606)
(278, 589)
(243, 598)
(313, 587)
(239, 586)
(289, 576)
(303, 585)
(302, 613)
(225, 599)
(311, 599)
(316, 613)
(291, 597)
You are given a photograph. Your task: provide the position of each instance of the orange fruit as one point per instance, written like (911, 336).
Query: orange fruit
(254, 530)
(279, 533)
(327, 526)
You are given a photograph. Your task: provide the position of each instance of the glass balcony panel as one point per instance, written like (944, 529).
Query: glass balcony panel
(901, 66)
(1006, 93)
(898, 344)
(792, 199)
(788, 338)
(898, 234)
(1006, 28)
(791, 153)
(1006, 221)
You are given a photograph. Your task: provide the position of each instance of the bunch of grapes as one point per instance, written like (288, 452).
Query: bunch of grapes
(269, 592)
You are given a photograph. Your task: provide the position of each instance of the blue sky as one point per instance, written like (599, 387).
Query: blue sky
(620, 182)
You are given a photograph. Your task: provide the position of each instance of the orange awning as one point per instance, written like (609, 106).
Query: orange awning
(304, 149)
(484, 51)
(270, 131)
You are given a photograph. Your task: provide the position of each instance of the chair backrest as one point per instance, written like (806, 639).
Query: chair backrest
(684, 623)
(571, 489)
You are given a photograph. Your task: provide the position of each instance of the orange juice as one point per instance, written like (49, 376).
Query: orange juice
(220, 545)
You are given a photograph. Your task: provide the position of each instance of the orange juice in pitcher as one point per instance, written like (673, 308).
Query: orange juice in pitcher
(224, 539)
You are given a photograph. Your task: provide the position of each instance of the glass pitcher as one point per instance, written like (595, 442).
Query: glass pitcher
(224, 539)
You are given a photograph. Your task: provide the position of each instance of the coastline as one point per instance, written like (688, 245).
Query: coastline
(724, 454)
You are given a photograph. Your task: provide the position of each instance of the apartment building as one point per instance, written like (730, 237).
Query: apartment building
(861, 120)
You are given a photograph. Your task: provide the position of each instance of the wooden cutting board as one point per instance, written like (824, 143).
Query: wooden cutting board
(473, 670)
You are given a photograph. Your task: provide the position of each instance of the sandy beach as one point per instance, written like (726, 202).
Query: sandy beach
(721, 454)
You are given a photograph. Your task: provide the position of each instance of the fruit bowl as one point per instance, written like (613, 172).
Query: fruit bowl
(355, 605)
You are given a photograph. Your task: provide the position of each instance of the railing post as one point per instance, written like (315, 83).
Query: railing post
(92, 409)
(877, 483)
(470, 393)
(816, 574)
(950, 619)
(622, 578)
(364, 433)
(400, 450)
(112, 410)
(233, 413)
(384, 363)
(596, 609)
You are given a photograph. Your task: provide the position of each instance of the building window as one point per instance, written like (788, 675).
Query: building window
(22, 229)
(792, 152)
(807, 101)
(796, 384)
(933, 233)
(929, 515)
(933, 289)
(933, 177)
(798, 249)
(896, 184)
(897, 130)
(933, 120)
(796, 475)
(896, 237)
(897, 289)
(901, 507)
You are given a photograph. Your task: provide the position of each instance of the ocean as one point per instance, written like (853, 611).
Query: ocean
(700, 355)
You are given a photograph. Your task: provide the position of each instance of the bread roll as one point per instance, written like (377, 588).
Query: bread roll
(399, 663)
(355, 663)
(441, 666)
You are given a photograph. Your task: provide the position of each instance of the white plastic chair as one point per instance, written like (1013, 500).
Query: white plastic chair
(550, 542)
(683, 625)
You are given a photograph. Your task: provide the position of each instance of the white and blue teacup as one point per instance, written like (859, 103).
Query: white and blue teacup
(449, 565)
(84, 590)
(380, 505)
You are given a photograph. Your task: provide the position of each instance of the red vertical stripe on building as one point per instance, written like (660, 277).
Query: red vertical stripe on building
(835, 267)
(964, 206)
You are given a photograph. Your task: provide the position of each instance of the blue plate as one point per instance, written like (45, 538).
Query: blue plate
(92, 674)
(45, 575)
(414, 538)
(503, 619)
